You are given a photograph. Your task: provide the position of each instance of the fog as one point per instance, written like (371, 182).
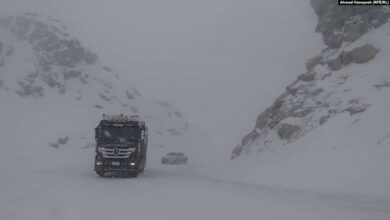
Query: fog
(221, 62)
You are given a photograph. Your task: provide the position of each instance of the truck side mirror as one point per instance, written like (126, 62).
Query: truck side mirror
(97, 132)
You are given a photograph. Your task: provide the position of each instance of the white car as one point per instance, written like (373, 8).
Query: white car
(174, 158)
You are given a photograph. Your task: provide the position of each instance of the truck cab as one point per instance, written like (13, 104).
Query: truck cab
(121, 145)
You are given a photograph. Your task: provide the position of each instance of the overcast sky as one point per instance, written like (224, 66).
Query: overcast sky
(180, 36)
(220, 61)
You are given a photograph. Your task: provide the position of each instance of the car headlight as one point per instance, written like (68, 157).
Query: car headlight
(132, 164)
(99, 163)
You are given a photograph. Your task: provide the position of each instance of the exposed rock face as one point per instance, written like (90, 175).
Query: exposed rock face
(346, 24)
(305, 105)
(53, 44)
(311, 63)
(323, 92)
(286, 131)
(59, 56)
(336, 64)
(379, 86)
(361, 54)
(307, 77)
(39, 59)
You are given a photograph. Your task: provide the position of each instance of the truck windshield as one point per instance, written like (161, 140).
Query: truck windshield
(117, 134)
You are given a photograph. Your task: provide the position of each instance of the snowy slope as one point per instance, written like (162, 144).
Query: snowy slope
(53, 92)
(329, 130)
(41, 178)
(242, 59)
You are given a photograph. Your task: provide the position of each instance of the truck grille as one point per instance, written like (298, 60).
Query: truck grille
(116, 153)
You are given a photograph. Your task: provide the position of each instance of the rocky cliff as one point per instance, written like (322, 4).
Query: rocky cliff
(335, 82)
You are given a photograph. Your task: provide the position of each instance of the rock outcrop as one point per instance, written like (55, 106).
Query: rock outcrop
(43, 63)
(324, 91)
(59, 56)
(346, 24)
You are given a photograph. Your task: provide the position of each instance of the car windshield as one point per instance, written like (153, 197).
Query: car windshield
(117, 134)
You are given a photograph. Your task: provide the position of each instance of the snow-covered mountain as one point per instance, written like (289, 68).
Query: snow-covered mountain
(330, 127)
(49, 109)
(53, 90)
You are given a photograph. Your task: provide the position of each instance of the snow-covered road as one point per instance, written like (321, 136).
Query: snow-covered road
(168, 192)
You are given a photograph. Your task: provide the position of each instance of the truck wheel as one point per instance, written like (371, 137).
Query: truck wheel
(100, 173)
(142, 168)
(134, 174)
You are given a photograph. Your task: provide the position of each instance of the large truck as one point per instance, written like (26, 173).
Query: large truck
(121, 145)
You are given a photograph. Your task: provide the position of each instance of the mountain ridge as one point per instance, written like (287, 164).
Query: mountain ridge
(308, 102)
(42, 63)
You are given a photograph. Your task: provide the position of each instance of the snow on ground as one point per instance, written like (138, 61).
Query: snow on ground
(38, 181)
(63, 186)
(74, 192)
(347, 154)
(41, 182)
